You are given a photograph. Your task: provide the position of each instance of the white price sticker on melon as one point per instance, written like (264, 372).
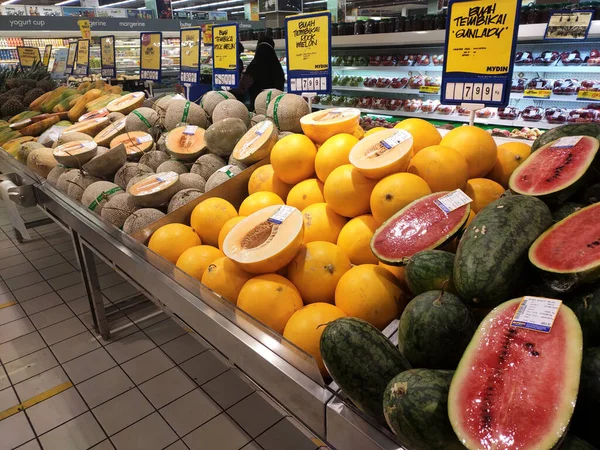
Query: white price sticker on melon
(281, 214)
(396, 139)
(566, 142)
(190, 129)
(453, 200)
(536, 313)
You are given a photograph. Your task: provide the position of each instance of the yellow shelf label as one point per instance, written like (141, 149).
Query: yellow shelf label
(537, 93)
(589, 95)
(429, 89)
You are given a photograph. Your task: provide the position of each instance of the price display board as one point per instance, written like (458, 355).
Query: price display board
(84, 27)
(82, 62)
(481, 36)
(47, 54)
(225, 57)
(308, 51)
(28, 56)
(151, 56)
(71, 55)
(189, 67)
(569, 25)
(108, 57)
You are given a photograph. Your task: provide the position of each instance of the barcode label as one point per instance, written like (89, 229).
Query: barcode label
(536, 313)
(566, 142)
(453, 200)
(396, 138)
(281, 214)
(190, 129)
(143, 139)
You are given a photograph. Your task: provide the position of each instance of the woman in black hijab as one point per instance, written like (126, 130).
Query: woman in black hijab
(264, 72)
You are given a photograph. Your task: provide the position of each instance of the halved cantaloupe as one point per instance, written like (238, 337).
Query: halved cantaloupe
(75, 153)
(321, 125)
(382, 153)
(267, 240)
(155, 190)
(94, 114)
(127, 103)
(136, 143)
(186, 142)
(90, 127)
(111, 131)
(257, 143)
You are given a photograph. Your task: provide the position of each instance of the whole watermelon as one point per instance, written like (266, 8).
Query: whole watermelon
(429, 270)
(583, 129)
(587, 410)
(362, 361)
(587, 309)
(415, 405)
(572, 442)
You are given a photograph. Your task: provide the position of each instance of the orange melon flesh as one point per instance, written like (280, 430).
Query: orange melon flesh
(126, 103)
(257, 143)
(135, 142)
(75, 153)
(321, 125)
(515, 388)
(186, 142)
(260, 244)
(382, 153)
(94, 114)
(110, 132)
(90, 127)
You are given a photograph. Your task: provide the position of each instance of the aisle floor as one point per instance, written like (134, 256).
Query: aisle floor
(151, 386)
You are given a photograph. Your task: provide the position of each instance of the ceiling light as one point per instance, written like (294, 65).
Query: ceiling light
(208, 5)
(8, 2)
(66, 2)
(237, 12)
(230, 7)
(118, 3)
(315, 2)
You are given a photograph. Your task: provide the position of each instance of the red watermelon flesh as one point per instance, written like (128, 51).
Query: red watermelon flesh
(516, 388)
(553, 167)
(571, 245)
(421, 225)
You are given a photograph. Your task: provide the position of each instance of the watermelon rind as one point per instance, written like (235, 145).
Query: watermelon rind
(587, 411)
(492, 252)
(430, 270)
(587, 273)
(565, 210)
(415, 407)
(572, 442)
(587, 129)
(362, 361)
(587, 309)
(467, 373)
(401, 260)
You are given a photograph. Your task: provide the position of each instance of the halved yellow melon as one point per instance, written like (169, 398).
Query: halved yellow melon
(383, 153)
(186, 142)
(94, 114)
(155, 190)
(90, 127)
(111, 131)
(136, 143)
(321, 125)
(127, 103)
(267, 240)
(257, 143)
(75, 153)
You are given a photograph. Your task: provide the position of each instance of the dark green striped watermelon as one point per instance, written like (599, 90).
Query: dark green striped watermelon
(587, 309)
(564, 210)
(434, 330)
(587, 411)
(362, 361)
(415, 405)
(572, 442)
(493, 251)
(587, 129)
(430, 270)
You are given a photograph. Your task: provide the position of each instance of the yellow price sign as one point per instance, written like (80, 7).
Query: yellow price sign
(150, 56)
(84, 27)
(225, 47)
(429, 89)
(480, 36)
(589, 95)
(28, 56)
(107, 56)
(308, 44)
(71, 58)
(47, 54)
(189, 68)
(82, 62)
(207, 34)
(537, 93)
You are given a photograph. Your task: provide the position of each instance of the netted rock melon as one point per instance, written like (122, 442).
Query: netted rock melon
(221, 176)
(107, 164)
(206, 165)
(211, 99)
(172, 166)
(182, 197)
(78, 183)
(63, 138)
(184, 112)
(130, 170)
(231, 108)
(141, 218)
(98, 194)
(62, 183)
(154, 159)
(141, 119)
(55, 174)
(287, 110)
(155, 190)
(262, 101)
(41, 161)
(221, 137)
(118, 209)
(186, 142)
(191, 181)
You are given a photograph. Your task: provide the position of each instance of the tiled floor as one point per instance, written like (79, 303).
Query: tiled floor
(152, 386)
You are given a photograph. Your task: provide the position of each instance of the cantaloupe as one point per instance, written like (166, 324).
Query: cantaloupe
(334, 152)
(264, 179)
(63, 181)
(222, 137)
(78, 183)
(394, 192)
(226, 278)
(118, 209)
(221, 176)
(305, 194)
(195, 260)
(257, 143)
(97, 194)
(231, 108)
(211, 99)
(206, 165)
(127, 103)
(171, 240)
(321, 223)
(382, 153)
(227, 227)
(41, 161)
(271, 299)
(186, 142)
(63, 138)
(183, 112)
(112, 130)
(234, 162)
(262, 101)
(128, 171)
(286, 110)
(293, 158)
(141, 218)
(154, 159)
(191, 181)
(267, 240)
(136, 143)
(75, 154)
(55, 174)
(316, 270)
(182, 197)
(90, 127)
(141, 119)
(321, 125)
(348, 192)
(155, 189)
(172, 166)
(209, 216)
(259, 200)
(355, 239)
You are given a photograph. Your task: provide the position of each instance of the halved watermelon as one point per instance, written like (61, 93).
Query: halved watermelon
(421, 225)
(515, 388)
(571, 247)
(556, 169)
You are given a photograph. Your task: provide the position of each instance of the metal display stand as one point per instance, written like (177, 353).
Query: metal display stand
(289, 375)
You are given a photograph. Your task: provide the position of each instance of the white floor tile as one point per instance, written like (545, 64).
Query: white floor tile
(51, 316)
(122, 411)
(8, 398)
(183, 348)
(164, 331)
(220, 433)
(56, 410)
(88, 365)
(15, 329)
(129, 347)
(80, 433)
(41, 383)
(150, 433)
(15, 430)
(190, 411)
(204, 367)
(11, 313)
(147, 365)
(167, 387)
(75, 346)
(41, 303)
(17, 348)
(62, 330)
(105, 386)
(30, 365)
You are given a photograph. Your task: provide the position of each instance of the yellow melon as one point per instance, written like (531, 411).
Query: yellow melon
(209, 216)
(321, 125)
(271, 299)
(399, 272)
(258, 201)
(370, 293)
(374, 130)
(316, 270)
(226, 278)
(267, 240)
(510, 156)
(305, 194)
(171, 240)
(304, 328)
(293, 158)
(424, 133)
(348, 192)
(227, 227)
(483, 192)
(476, 145)
(359, 133)
(321, 223)
(264, 179)
(355, 239)
(334, 152)
(443, 168)
(195, 260)
(383, 153)
(394, 192)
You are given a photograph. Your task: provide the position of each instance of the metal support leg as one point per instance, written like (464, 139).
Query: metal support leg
(92, 286)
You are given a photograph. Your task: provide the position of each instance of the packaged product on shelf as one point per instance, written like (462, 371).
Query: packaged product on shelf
(509, 113)
(566, 87)
(571, 58)
(423, 60)
(539, 83)
(399, 83)
(416, 82)
(412, 105)
(524, 58)
(369, 82)
(583, 115)
(590, 85)
(393, 104)
(547, 58)
(365, 102)
(383, 82)
(556, 115)
(350, 102)
(378, 103)
(445, 109)
(388, 61)
(463, 111)
(594, 58)
(518, 85)
(485, 113)
(430, 106)
(433, 81)
(438, 60)
(532, 114)
(407, 60)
